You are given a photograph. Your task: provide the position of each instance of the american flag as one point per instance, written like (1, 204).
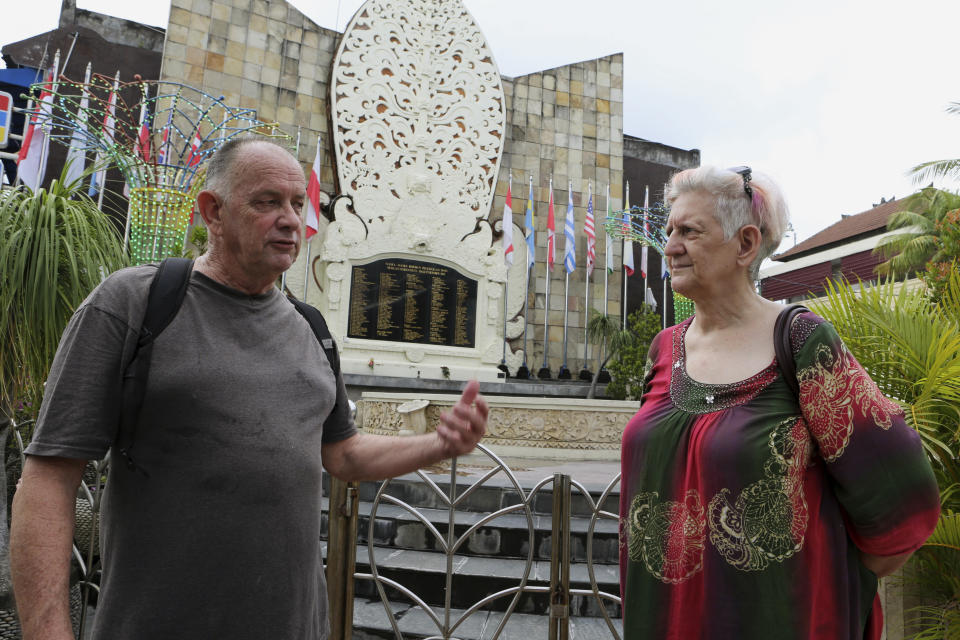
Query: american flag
(591, 234)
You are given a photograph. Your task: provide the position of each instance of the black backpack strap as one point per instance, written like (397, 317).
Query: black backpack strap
(319, 326)
(167, 290)
(783, 348)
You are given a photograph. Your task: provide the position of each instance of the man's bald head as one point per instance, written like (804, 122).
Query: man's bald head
(221, 170)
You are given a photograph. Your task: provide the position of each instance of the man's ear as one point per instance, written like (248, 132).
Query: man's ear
(749, 239)
(211, 210)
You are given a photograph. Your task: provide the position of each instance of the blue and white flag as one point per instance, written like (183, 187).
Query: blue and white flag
(570, 241)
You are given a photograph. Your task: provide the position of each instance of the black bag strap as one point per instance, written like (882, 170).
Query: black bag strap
(782, 347)
(167, 290)
(320, 330)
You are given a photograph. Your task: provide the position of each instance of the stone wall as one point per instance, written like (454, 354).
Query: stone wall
(565, 122)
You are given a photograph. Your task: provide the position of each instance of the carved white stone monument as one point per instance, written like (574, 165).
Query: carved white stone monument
(412, 279)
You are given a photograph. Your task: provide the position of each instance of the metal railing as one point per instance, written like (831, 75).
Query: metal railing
(344, 517)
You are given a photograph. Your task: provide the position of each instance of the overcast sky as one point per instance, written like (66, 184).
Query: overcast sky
(836, 99)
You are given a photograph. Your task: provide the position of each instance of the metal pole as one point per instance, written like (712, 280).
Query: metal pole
(664, 303)
(103, 187)
(506, 282)
(47, 123)
(624, 270)
(531, 260)
(566, 314)
(546, 300)
(586, 308)
(145, 93)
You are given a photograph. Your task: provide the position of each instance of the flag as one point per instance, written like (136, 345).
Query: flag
(569, 239)
(109, 125)
(507, 224)
(663, 268)
(313, 196)
(530, 232)
(627, 244)
(32, 158)
(646, 229)
(163, 153)
(650, 300)
(195, 157)
(551, 232)
(77, 154)
(590, 232)
(142, 146)
(609, 250)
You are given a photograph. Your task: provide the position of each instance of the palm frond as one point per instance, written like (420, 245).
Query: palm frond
(935, 169)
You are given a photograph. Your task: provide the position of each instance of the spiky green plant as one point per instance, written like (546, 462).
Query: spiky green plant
(55, 247)
(604, 330)
(920, 222)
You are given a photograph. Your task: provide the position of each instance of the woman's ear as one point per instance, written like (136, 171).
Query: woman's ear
(749, 239)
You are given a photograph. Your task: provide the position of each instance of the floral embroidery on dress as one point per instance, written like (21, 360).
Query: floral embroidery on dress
(768, 522)
(829, 387)
(668, 537)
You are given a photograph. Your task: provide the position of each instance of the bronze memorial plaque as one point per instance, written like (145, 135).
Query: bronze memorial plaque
(408, 301)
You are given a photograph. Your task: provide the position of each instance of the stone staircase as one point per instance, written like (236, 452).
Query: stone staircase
(494, 557)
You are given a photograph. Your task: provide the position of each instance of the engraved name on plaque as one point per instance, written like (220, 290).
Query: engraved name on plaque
(409, 301)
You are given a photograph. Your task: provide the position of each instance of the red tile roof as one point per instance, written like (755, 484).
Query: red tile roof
(872, 220)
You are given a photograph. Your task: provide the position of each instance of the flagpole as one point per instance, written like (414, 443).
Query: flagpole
(627, 220)
(545, 370)
(644, 254)
(47, 125)
(506, 281)
(569, 242)
(585, 372)
(103, 187)
(524, 372)
(664, 305)
(23, 136)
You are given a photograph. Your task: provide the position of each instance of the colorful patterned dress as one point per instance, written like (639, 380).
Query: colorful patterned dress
(742, 513)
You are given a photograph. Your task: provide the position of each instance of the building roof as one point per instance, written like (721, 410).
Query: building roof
(867, 222)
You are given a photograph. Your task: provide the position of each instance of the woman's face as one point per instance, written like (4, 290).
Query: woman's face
(702, 263)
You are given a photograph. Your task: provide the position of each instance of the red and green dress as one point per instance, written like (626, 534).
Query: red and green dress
(743, 508)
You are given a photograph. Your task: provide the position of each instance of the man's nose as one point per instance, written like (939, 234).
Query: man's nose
(290, 217)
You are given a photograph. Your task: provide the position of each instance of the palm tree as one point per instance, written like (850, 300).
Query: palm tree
(605, 331)
(939, 168)
(55, 247)
(919, 242)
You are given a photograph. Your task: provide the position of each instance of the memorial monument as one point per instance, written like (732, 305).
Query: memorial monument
(411, 275)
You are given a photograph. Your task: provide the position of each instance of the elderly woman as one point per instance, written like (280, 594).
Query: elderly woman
(749, 510)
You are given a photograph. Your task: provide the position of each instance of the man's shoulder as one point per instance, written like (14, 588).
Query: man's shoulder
(122, 291)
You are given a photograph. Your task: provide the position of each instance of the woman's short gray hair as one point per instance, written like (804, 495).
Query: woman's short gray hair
(763, 206)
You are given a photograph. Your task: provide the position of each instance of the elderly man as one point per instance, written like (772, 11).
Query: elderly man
(215, 534)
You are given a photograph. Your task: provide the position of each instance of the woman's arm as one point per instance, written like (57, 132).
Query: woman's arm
(884, 565)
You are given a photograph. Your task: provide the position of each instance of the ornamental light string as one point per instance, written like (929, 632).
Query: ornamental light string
(162, 137)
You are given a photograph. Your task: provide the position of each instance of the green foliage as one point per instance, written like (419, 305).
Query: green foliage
(55, 247)
(628, 368)
(935, 573)
(936, 169)
(923, 219)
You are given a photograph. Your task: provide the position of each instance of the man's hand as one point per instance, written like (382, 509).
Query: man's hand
(461, 428)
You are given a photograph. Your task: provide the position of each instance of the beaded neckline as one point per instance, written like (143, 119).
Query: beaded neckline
(692, 396)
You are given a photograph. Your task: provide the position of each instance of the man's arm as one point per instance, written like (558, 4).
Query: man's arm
(365, 456)
(41, 535)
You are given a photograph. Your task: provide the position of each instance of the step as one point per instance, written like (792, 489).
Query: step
(507, 535)
(370, 622)
(474, 578)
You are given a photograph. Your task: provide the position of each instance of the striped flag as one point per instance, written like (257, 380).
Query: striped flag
(163, 153)
(109, 125)
(590, 232)
(646, 228)
(569, 239)
(32, 158)
(507, 224)
(609, 251)
(530, 231)
(627, 244)
(142, 146)
(313, 196)
(551, 232)
(77, 154)
(195, 157)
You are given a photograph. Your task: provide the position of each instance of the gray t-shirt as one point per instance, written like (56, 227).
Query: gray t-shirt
(222, 538)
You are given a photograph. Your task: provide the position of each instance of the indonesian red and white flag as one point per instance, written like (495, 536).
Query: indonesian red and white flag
(313, 196)
(32, 159)
(551, 232)
(109, 128)
(143, 137)
(507, 224)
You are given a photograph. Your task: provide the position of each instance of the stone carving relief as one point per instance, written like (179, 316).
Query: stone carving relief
(418, 112)
(516, 426)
